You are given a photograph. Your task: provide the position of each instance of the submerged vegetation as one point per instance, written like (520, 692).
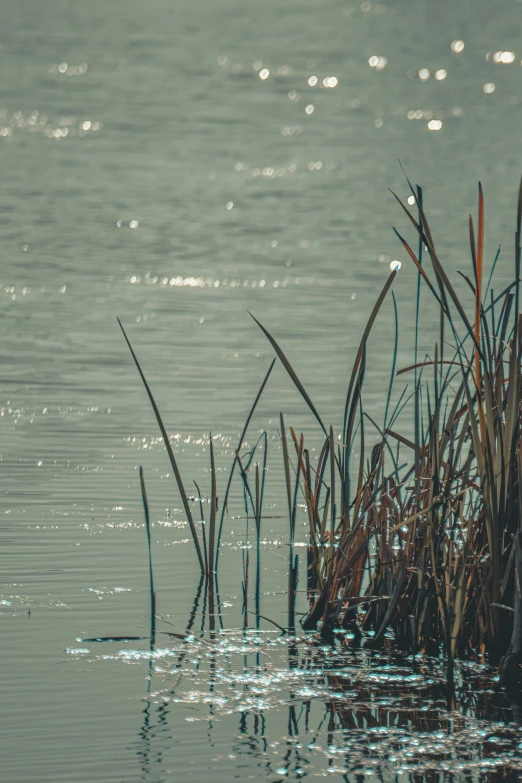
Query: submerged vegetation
(415, 536)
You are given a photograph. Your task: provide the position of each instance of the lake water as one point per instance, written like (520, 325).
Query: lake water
(178, 164)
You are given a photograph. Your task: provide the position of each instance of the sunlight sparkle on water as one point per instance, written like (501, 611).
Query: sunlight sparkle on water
(457, 46)
(211, 673)
(504, 57)
(377, 62)
(330, 81)
(53, 128)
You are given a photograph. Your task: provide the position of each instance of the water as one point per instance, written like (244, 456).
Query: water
(150, 171)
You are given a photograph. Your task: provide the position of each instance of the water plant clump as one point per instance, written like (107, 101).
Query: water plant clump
(428, 546)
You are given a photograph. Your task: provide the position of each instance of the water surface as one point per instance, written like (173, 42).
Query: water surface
(178, 165)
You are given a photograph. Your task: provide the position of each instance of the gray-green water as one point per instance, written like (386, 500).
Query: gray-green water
(177, 164)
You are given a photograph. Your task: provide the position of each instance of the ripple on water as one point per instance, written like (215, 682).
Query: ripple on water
(353, 711)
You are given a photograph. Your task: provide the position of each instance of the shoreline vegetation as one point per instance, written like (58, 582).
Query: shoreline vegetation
(419, 539)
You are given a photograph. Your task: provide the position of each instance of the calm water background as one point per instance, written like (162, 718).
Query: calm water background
(174, 164)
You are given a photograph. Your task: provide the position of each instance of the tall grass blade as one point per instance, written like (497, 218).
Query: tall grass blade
(168, 447)
(356, 377)
(288, 367)
(152, 592)
(231, 475)
(203, 527)
(213, 505)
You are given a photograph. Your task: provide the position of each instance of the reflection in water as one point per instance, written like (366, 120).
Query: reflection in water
(155, 717)
(306, 708)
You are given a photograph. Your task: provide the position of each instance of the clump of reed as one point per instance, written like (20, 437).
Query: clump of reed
(427, 546)
(430, 548)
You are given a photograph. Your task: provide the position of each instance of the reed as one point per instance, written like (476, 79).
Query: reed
(168, 447)
(152, 591)
(427, 550)
(208, 560)
(420, 538)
